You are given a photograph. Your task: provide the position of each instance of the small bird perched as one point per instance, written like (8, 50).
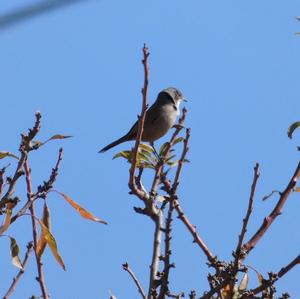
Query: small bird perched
(160, 117)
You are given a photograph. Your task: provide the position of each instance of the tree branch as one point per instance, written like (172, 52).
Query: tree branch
(43, 189)
(249, 211)
(25, 147)
(154, 268)
(173, 197)
(131, 273)
(239, 253)
(273, 278)
(141, 121)
(21, 272)
(40, 278)
(159, 168)
(164, 289)
(192, 229)
(276, 212)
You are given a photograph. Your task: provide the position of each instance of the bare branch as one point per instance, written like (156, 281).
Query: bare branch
(20, 273)
(273, 278)
(42, 190)
(155, 256)
(181, 161)
(164, 289)
(40, 278)
(131, 183)
(276, 212)
(25, 147)
(159, 167)
(181, 215)
(192, 229)
(249, 211)
(131, 273)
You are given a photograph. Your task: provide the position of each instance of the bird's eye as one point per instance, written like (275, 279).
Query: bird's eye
(178, 94)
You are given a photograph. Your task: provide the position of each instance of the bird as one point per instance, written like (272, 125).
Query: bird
(159, 118)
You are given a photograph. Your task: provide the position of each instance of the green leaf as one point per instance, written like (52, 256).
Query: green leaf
(169, 158)
(146, 147)
(186, 161)
(123, 154)
(14, 252)
(163, 148)
(56, 137)
(7, 154)
(142, 156)
(177, 140)
(172, 163)
(292, 128)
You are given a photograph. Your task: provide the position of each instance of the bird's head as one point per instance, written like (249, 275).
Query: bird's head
(175, 95)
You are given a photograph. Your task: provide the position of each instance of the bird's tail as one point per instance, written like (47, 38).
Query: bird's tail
(121, 140)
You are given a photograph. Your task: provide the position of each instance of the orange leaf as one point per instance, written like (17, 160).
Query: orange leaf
(83, 212)
(6, 223)
(51, 243)
(41, 245)
(226, 293)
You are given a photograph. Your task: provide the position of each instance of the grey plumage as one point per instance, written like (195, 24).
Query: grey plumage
(160, 117)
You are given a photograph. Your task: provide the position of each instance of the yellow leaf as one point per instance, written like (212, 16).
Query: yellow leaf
(14, 251)
(83, 212)
(7, 154)
(6, 223)
(52, 244)
(124, 154)
(57, 136)
(146, 147)
(297, 189)
(41, 245)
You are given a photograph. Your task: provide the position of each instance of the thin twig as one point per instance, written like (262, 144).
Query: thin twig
(249, 211)
(181, 161)
(20, 273)
(164, 289)
(159, 168)
(181, 215)
(40, 278)
(275, 276)
(192, 229)
(136, 281)
(141, 121)
(25, 147)
(216, 289)
(276, 212)
(239, 254)
(42, 190)
(155, 256)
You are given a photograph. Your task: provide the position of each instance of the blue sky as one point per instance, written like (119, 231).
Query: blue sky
(79, 64)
